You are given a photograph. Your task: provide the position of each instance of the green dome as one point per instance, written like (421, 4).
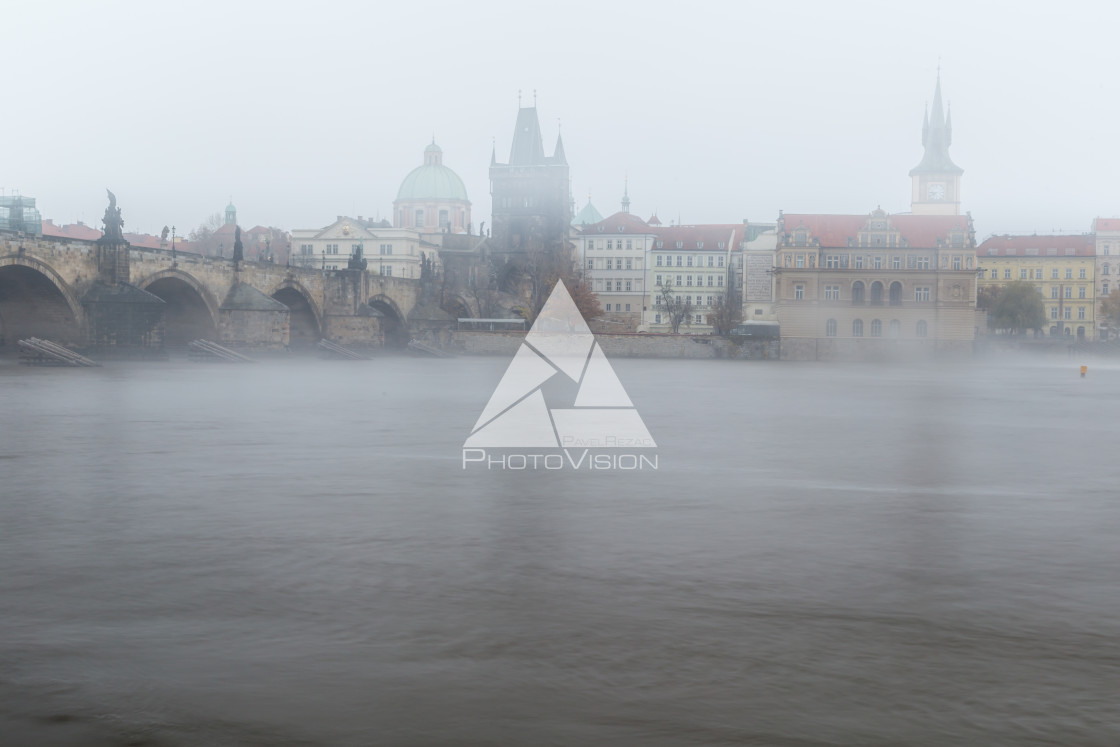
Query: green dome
(433, 180)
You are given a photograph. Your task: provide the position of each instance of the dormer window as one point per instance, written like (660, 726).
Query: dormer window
(680, 245)
(699, 244)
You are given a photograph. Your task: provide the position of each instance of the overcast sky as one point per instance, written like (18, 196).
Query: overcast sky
(716, 111)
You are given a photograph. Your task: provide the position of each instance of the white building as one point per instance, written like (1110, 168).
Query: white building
(388, 251)
(696, 264)
(614, 255)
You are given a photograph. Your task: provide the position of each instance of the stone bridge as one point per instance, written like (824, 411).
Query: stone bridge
(57, 289)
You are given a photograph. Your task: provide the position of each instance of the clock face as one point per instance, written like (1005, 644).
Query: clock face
(936, 191)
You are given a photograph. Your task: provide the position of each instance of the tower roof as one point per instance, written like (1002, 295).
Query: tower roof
(937, 136)
(587, 216)
(527, 148)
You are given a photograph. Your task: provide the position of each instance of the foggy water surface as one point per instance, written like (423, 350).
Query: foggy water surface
(290, 553)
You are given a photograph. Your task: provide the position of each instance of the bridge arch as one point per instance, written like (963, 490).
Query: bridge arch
(459, 307)
(191, 312)
(393, 325)
(36, 302)
(305, 320)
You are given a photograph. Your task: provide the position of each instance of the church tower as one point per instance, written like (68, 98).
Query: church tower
(531, 205)
(936, 188)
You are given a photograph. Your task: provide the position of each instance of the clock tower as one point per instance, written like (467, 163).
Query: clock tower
(936, 188)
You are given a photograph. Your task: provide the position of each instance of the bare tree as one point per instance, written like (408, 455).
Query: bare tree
(673, 307)
(726, 312)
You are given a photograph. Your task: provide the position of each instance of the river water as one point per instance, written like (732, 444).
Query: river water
(291, 553)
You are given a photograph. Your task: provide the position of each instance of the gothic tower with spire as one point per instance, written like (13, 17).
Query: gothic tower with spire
(531, 200)
(936, 188)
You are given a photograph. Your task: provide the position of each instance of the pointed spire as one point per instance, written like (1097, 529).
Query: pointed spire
(558, 153)
(626, 195)
(936, 137)
(493, 150)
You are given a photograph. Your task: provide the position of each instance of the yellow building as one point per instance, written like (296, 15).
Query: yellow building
(1063, 268)
(874, 285)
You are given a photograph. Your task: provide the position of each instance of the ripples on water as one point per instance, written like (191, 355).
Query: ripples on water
(289, 553)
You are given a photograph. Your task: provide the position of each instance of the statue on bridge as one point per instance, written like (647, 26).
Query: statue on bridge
(357, 261)
(114, 224)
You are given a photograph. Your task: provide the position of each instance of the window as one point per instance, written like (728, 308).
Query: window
(610, 263)
(859, 262)
(876, 328)
(719, 280)
(832, 293)
(800, 260)
(921, 294)
(608, 307)
(680, 244)
(1022, 274)
(627, 307)
(1069, 292)
(832, 262)
(721, 260)
(1007, 274)
(896, 328)
(1104, 288)
(658, 260)
(610, 244)
(1068, 312)
(896, 293)
(629, 245)
(627, 286)
(679, 258)
(444, 219)
(1053, 291)
(857, 328)
(830, 328)
(699, 318)
(876, 293)
(799, 292)
(1080, 312)
(629, 263)
(387, 270)
(1038, 274)
(1081, 292)
(1081, 274)
(896, 262)
(876, 263)
(711, 260)
(923, 263)
(711, 279)
(678, 281)
(657, 319)
(922, 328)
(419, 218)
(659, 280)
(688, 280)
(1054, 274)
(1104, 269)
(711, 300)
(1053, 312)
(1069, 273)
(857, 292)
(617, 286)
(591, 264)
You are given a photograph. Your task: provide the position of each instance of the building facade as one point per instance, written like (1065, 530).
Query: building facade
(859, 286)
(395, 252)
(1062, 268)
(1107, 262)
(694, 266)
(614, 254)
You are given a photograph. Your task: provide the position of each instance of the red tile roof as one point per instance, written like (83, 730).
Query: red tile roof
(78, 231)
(1106, 224)
(834, 230)
(625, 221)
(691, 237)
(1082, 245)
